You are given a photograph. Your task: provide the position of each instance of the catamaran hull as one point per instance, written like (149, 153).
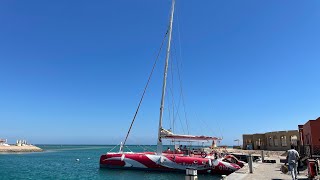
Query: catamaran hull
(165, 162)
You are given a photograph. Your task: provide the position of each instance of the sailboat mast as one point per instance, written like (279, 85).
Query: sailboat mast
(159, 143)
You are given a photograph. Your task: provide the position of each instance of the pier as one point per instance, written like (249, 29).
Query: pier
(265, 171)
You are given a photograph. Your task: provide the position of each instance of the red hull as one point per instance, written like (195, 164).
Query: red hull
(166, 162)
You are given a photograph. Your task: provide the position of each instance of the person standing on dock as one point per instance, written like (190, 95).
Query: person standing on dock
(292, 159)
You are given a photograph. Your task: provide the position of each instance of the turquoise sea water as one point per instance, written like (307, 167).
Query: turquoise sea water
(59, 162)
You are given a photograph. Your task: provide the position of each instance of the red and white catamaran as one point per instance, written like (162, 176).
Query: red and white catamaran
(177, 160)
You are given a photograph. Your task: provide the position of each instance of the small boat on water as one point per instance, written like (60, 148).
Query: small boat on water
(204, 161)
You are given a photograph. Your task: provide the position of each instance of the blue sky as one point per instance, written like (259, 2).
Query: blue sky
(73, 71)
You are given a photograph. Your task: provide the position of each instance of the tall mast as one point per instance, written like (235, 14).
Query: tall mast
(159, 143)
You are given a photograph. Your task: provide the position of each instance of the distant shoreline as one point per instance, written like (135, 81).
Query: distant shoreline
(18, 149)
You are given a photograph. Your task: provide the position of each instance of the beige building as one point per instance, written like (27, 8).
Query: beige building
(274, 141)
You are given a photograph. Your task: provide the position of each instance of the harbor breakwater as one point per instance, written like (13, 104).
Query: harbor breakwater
(16, 149)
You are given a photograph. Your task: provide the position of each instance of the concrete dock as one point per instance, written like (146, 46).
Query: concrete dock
(264, 171)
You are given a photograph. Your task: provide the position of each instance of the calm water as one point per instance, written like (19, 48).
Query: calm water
(59, 162)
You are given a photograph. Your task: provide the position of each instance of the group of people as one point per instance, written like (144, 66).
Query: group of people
(182, 150)
(177, 150)
(186, 151)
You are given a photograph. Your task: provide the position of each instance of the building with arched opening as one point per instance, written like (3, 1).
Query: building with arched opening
(274, 141)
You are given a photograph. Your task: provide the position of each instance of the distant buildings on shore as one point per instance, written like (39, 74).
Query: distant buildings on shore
(21, 143)
(273, 141)
(3, 142)
(306, 139)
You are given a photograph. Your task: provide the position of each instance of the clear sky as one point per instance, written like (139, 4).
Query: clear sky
(73, 71)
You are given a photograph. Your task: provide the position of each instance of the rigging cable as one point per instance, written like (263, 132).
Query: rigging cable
(113, 147)
(183, 102)
(173, 101)
(171, 67)
(179, 76)
(206, 126)
(180, 53)
(145, 88)
(181, 91)
(218, 123)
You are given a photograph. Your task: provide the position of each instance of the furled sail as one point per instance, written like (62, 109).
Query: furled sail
(169, 135)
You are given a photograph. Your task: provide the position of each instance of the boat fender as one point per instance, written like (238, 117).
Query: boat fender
(122, 157)
(209, 162)
(203, 154)
(161, 159)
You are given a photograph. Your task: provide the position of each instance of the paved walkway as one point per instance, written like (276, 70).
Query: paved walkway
(264, 171)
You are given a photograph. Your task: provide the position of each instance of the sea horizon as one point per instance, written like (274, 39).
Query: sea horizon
(79, 162)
